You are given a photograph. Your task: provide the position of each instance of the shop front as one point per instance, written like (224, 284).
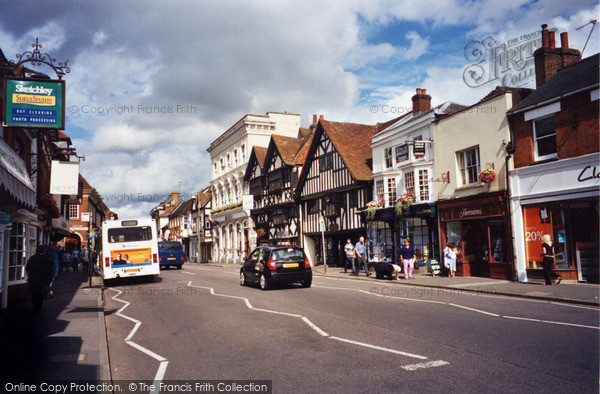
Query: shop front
(559, 199)
(386, 232)
(478, 227)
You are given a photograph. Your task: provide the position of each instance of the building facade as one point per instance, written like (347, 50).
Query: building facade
(473, 210)
(335, 184)
(403, 160)
(555, 183)
(233, 233)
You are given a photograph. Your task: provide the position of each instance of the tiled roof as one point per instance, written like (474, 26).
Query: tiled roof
(300, 157)
(184, 207)
(288, 147)
(580, 75)
(353, 143)
(260, 153)
(86, 184)
(204, 198)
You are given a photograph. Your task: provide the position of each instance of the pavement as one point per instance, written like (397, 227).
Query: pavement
(66, 341)
(567, 291)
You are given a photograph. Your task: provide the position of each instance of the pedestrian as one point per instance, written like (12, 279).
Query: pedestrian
(548, 261)
(350, 260)
(450, 259)
(75, 262)
(85, 258)
(40, 272)
(360, 251)
(407, 253)
(52, 253)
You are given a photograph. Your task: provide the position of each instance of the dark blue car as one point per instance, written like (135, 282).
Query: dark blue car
(170, 253)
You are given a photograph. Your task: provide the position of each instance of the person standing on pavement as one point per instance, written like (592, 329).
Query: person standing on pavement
(75, 261)
(40, 272)
(548, 261)
(350, 261)
(450, 259)
(85, 258)
(360, 249)
(407, 253)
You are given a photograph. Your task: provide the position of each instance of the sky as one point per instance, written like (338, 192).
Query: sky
(152, 83)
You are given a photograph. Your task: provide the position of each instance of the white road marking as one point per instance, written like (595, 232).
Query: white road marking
(591, 308)
(429, 364)
(551, 322)
(162, 368)
(309, 323)
(313, 326)
(383, 349)
(476, 284)
(474, 310)
(189, 273)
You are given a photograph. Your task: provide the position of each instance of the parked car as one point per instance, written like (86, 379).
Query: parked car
(267, 265)
(170, 253)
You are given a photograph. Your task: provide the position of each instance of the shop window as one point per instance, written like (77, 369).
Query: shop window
(17, 254)
(379, 189)
(453, 234)
(409, 182)
(544, 131)
(469, 166)
(391, 191)
(423, 185)
(417, 232)
(388, 158)
(73, 211)
(379, 242)
(498, 240)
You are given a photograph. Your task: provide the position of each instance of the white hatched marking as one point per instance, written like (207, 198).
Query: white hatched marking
(384, 349)
(429, 364)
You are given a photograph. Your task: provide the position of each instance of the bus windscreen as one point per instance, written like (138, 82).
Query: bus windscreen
(129, 234)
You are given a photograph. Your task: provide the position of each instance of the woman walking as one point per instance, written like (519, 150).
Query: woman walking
(548, 260)
(407, 253)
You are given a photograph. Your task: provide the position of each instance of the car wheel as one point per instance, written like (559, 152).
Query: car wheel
(243, 280)
(264, 282)
(306, 283)
(179, 266)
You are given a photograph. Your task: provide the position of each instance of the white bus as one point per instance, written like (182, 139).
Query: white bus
(129, 248)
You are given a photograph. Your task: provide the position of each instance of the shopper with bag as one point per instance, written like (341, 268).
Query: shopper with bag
(407, 252)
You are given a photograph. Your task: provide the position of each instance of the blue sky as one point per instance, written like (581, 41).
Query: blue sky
(226, 59)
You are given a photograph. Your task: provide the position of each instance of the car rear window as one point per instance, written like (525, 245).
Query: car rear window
(288, 254)
(170, 246)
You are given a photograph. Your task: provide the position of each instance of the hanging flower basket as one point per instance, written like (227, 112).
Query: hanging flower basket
(487, 176)
(50, 205)
(404, 202)
(260, 232)
(373, 206)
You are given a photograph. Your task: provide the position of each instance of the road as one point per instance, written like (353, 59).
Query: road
(345, 335)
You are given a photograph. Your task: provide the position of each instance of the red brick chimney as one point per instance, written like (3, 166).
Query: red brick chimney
(421, 101)
(314, 119)
(321, 117)
(549, 59)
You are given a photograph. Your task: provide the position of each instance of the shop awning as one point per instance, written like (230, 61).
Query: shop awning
(14, 177)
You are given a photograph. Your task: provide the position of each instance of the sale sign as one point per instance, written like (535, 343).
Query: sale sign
(537, 223)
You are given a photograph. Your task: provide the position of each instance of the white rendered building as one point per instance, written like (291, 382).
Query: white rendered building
(233, 231)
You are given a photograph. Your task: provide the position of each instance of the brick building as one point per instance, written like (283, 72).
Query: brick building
(554, 186)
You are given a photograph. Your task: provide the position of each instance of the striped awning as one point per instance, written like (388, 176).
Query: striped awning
(14, 177)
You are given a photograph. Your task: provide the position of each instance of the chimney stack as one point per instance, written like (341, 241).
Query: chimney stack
(549, 59)
(174, 197)
(314, 119)
(321, 117)
(421, 101)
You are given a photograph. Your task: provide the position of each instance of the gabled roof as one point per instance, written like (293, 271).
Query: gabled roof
(85, 184)
(257, 156)
(351, 141)
(300, 157)
(204, 198)
(182, 208)
(286, 146)
(577, 76)
(518, 94)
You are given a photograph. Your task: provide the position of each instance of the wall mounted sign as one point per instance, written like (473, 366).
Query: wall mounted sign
(401, 153)
(419, 149)
(34, 103)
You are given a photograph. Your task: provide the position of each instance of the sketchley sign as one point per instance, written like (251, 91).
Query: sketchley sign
(507, 63)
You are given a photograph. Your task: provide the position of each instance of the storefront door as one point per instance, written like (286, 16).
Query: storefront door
(475, 236)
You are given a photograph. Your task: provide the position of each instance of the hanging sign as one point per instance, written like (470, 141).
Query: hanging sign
(34, 103)
(419, 149)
